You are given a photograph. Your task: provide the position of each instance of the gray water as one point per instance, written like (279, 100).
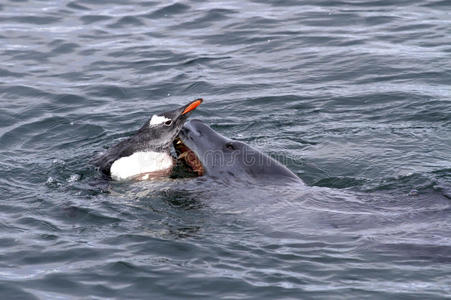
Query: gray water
(353, 96)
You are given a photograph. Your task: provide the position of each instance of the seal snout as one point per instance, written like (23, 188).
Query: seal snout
(190, 130)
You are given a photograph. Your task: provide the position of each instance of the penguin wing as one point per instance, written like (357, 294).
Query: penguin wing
(124, 148)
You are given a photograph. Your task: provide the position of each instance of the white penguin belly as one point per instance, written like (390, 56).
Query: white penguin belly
(140, 163)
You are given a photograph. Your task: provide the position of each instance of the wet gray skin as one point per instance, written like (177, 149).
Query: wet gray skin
(223, 158)
(156, 138)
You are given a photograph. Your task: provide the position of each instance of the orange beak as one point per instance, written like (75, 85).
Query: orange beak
(192, 106)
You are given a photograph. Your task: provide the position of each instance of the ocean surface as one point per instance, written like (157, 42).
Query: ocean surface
(353, 96)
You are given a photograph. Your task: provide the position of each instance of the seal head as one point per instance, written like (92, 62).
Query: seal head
(221, 157)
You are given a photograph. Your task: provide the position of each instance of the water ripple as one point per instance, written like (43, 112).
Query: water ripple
(353, 96)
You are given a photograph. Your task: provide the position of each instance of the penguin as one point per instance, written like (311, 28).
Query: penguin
(146, 154)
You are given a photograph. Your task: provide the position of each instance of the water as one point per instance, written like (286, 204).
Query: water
(353, 96)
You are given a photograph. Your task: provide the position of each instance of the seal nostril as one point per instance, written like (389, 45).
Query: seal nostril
(194, 131)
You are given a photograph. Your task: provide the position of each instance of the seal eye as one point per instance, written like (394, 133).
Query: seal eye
(168, 123)
(230, 146)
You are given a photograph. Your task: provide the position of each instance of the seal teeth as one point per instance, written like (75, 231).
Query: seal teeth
(184, 154)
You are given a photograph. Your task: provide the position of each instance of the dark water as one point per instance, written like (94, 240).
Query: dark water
(354, 96)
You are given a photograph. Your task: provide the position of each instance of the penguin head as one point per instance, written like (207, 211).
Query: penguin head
(161, 129)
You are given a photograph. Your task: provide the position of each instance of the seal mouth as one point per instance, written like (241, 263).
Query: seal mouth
(187, 156)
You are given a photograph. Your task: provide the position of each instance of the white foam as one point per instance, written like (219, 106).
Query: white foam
(157, 120)
(139, 163)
